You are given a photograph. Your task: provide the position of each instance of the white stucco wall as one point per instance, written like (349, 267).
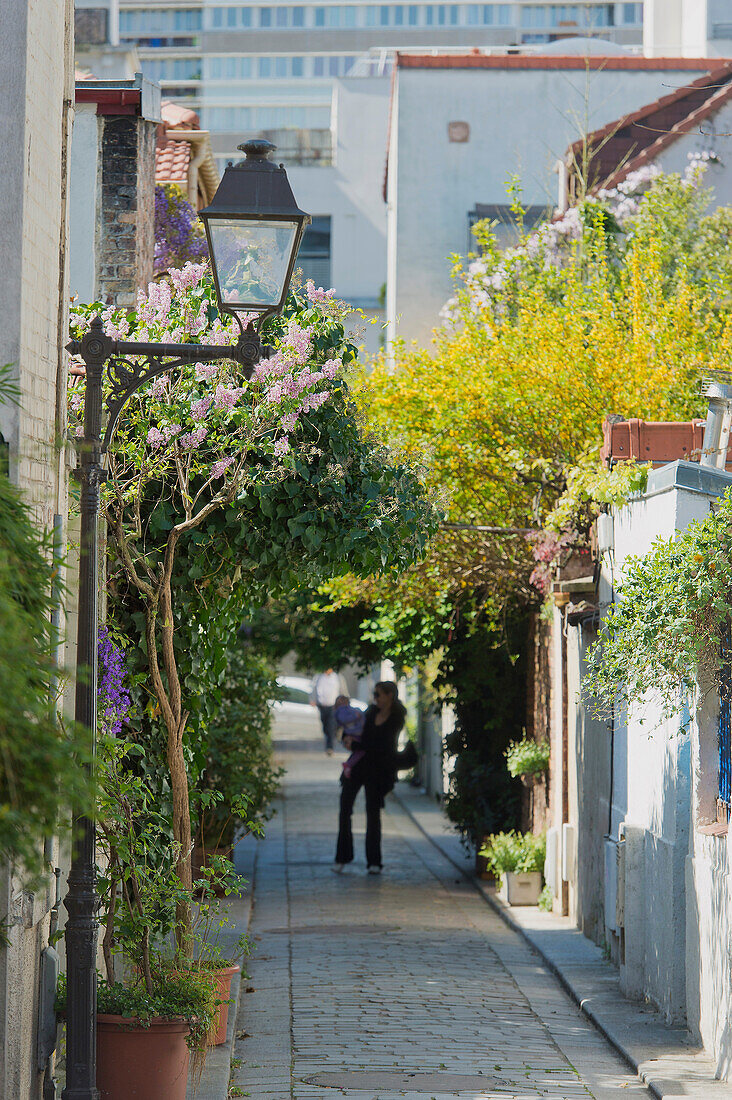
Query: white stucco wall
(687, 28)
(85, 207)
(351, 193)
(521, 122)
(677, 891)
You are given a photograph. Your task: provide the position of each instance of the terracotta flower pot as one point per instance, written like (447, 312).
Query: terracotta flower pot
(141, 1063)
(201, 857)
(482, 870)
(223, 980)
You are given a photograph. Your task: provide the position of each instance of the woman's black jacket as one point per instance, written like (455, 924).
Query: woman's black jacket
(379, 744)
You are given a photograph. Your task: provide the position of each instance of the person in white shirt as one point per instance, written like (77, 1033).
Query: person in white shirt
(327, 686)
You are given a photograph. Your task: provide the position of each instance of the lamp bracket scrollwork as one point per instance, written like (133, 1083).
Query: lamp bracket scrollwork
(130, 364)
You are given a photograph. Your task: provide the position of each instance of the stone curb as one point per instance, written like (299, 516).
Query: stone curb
(663, 1057)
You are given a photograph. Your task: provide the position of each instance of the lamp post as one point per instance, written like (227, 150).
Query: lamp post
(254, 229)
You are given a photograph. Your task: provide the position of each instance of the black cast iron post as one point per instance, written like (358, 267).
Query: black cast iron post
(120, 359)
(81, 901)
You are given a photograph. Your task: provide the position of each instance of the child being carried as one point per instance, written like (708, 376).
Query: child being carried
(350, 719)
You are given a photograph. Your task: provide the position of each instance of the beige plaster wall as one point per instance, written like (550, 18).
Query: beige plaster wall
(37, 73)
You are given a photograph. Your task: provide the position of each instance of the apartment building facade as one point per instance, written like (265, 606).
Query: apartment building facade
(281, 70)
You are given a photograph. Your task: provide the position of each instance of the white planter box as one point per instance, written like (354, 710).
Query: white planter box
(520, 887)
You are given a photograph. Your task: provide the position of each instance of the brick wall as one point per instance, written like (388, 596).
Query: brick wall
(127, 240)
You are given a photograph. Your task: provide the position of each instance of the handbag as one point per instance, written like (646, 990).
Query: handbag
(407, 758)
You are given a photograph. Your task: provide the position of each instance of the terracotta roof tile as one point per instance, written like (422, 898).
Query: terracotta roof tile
(176, 117)
(172, 159)
(635, 140)
(546, 61)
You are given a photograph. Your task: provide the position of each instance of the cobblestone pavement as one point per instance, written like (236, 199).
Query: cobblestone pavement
(406, 985)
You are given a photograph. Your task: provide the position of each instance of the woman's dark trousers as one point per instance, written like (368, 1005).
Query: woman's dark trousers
(344, 850)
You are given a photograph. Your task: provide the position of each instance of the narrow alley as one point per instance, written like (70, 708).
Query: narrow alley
(406, 985)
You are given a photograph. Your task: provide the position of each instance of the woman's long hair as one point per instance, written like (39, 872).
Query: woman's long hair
(388, 687)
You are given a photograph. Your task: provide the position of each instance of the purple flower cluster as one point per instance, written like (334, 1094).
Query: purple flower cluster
(113, 698)
(177, 236)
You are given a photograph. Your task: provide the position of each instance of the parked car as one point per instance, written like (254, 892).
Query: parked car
(294, 719)
(293, 716)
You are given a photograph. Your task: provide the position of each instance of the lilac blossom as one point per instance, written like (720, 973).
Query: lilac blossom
(282, 446)
(199, 410)
(219, 468)
(187, 276)
(155, 438)
(159, 385)
(331, 367)
(177, 231)
(226, 396)
(193, 439)
(116, 329)
(550, 246)
(113, 698)
(318, 294)
(204, 371)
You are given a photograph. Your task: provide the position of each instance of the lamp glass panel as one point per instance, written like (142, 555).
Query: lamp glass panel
(252, 258)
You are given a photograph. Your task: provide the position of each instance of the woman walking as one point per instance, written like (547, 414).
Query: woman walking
(375, 772)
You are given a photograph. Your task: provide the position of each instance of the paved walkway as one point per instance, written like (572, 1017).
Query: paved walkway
(406, 985)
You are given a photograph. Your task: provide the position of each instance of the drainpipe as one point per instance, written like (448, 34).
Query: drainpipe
(717, 428)
(563, 187)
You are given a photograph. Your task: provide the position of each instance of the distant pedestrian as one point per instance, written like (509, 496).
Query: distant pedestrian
(350, 721)
(375, 772)
(326, 688)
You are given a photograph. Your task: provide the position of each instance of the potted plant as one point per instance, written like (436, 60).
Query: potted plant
(217, 881)
(156, 1004)
(239, 779)
(517, 860)
(527, 758)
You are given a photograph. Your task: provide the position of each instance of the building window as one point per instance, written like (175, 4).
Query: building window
(602, 15)
(507, 229)
(247, 119)
(221, 17)
(567, 15)
(171, 68)
(633, 14)
(315, 251)
(160, 21)
(334, 16)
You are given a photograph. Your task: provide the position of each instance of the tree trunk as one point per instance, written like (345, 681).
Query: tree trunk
(182, 833)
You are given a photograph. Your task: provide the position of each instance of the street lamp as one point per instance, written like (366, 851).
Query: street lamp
(252, 255)
(254, 229)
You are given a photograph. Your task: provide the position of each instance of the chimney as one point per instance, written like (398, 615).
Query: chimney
(717, 428)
